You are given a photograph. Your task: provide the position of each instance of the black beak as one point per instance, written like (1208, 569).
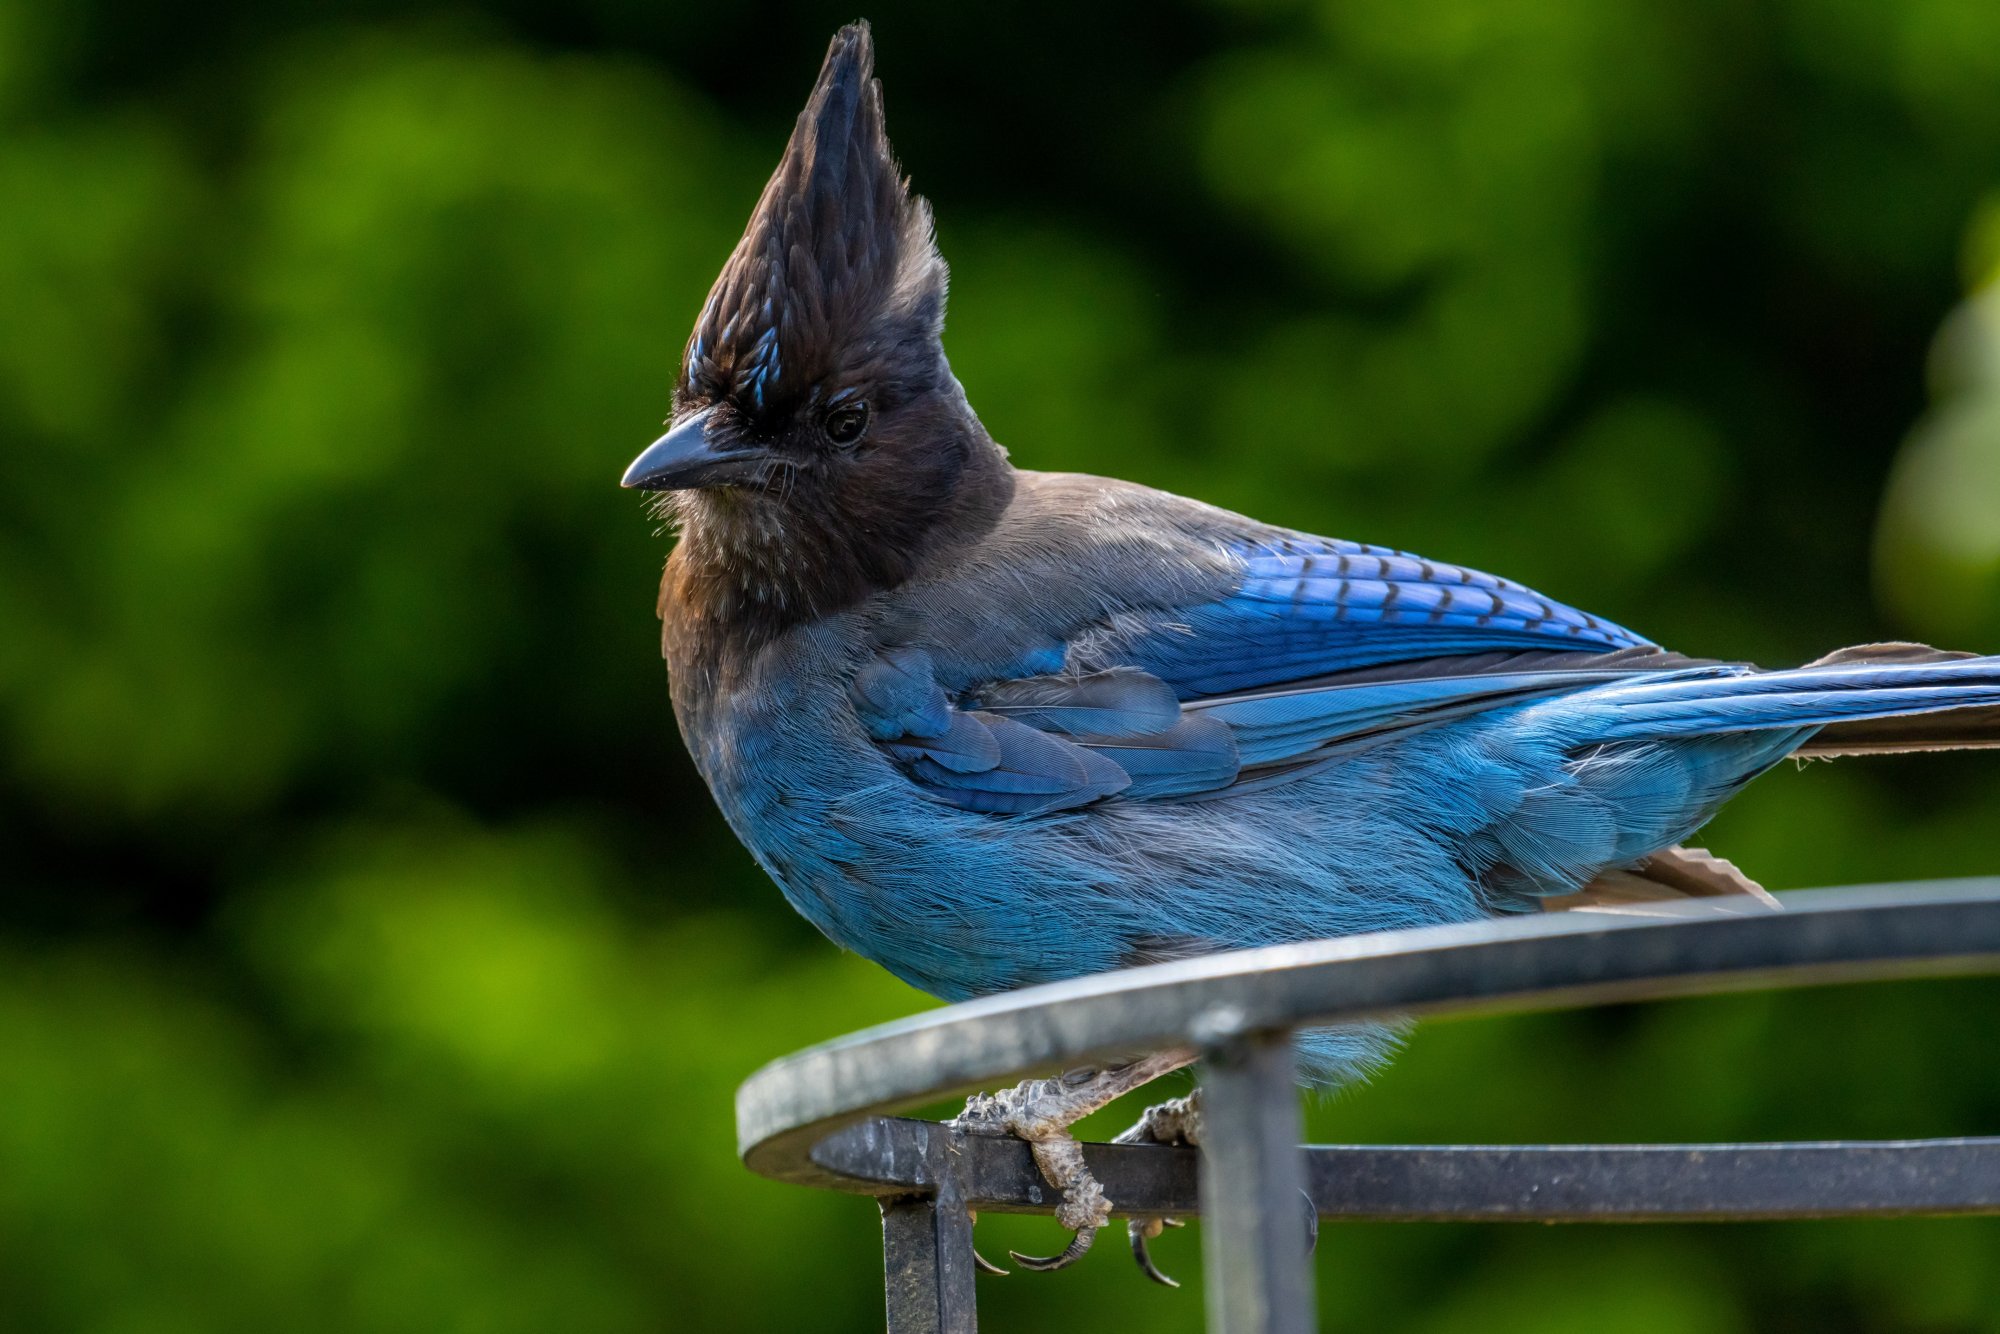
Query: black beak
(689, 457)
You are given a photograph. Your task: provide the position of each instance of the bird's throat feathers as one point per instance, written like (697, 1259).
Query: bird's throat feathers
(752, 563)
(749, 564)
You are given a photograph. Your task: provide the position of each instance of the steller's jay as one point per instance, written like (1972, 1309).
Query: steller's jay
(991, 727)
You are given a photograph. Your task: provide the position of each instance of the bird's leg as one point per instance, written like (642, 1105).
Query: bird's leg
(1041, 1111)
(1176, 1121)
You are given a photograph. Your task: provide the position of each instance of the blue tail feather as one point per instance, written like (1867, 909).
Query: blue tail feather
(1702, 703)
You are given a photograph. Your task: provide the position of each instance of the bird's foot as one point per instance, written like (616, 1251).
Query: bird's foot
(1041, 1111)
(1142, 1230)
(1174, 1122)
(1177, 1123)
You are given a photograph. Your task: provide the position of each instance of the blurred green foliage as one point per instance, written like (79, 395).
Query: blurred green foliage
(370, 956)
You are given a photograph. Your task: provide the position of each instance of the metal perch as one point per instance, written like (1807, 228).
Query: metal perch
(824, 1117)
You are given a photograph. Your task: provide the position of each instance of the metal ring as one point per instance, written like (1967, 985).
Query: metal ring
(1934, 928)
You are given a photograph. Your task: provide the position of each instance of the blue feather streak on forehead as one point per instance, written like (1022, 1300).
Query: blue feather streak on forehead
(755, 372)
(761, 367)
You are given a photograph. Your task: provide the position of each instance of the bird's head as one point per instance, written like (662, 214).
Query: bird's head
(816, 420)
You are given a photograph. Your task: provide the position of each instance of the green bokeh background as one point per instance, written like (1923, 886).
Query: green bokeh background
(371, 958)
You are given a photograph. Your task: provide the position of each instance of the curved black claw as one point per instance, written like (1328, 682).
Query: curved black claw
(1048, 1264)
(980, 1262)
(1312, 1222)
(1141, 1230)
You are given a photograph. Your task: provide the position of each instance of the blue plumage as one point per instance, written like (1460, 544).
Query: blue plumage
(992, 727)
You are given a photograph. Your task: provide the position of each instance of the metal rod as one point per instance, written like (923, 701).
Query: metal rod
(1539, 1183)
(1643, 1183)
(1254, 1230)
(927, 1264)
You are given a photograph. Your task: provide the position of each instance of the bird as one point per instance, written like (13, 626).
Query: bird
(991, 727)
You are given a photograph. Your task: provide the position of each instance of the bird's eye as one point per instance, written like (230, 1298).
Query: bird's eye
(845, 424)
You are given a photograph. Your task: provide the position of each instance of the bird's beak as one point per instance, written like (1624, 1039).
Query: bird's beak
(690, 456)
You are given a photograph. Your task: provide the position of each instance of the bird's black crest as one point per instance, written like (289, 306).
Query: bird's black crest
(837, 264)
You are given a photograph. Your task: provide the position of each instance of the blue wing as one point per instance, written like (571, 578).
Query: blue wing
(1308, 606)
(1040, 744)
(1320, 644)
